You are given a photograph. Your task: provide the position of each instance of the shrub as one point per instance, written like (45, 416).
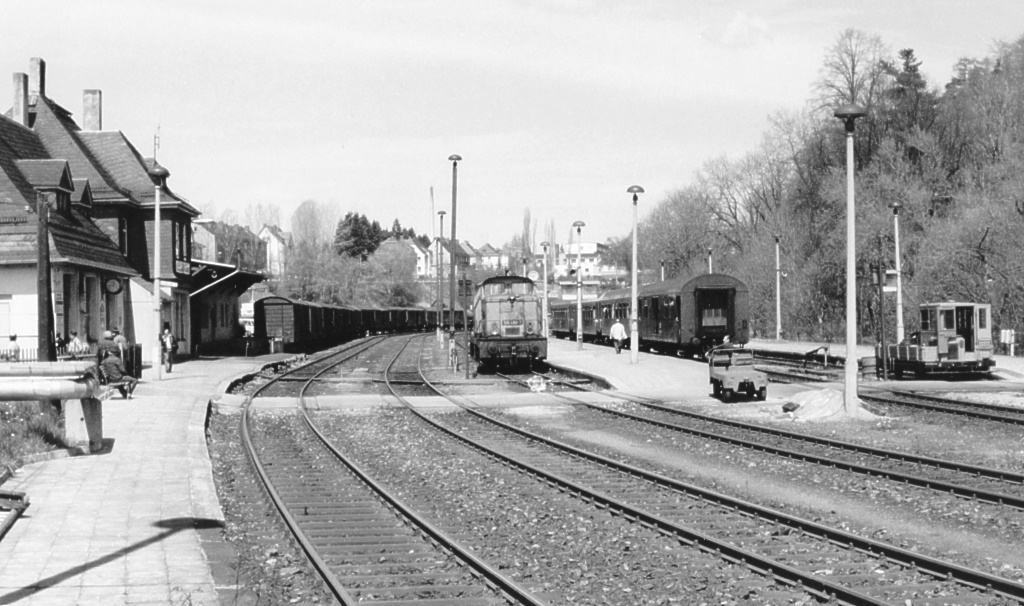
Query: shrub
(25, 430)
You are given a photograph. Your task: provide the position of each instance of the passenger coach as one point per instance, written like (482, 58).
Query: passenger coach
(685, 316)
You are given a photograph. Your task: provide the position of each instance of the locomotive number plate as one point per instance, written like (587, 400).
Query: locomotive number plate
(511, 322)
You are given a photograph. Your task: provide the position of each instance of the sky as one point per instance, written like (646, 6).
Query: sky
(556, 106)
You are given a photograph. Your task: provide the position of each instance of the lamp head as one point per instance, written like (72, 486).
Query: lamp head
(848, 113)
(441, 213)
(455, 158)
(579, 225)
(636, 190)
(545, 245)
(896, 206)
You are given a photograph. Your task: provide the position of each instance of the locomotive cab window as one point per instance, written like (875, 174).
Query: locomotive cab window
(927, 319)
(982, 318)
(947, 319)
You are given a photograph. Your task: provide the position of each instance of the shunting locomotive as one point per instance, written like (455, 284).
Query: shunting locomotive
(507, 322)
(954, 338)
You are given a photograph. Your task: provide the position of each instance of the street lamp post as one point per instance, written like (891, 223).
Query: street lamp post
(710, 270)
(778, 293)
(579, 225)
(440, 277)
(634, 333)
(544, 301)
(454, 158)
(896, 206)
(848, 114)
(158, 173)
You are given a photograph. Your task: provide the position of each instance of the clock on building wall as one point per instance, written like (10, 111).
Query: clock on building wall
(113, 286)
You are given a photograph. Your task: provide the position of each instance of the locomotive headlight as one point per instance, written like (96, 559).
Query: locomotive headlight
(529, 328)
(494, 328)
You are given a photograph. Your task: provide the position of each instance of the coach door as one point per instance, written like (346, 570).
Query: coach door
(965, 325)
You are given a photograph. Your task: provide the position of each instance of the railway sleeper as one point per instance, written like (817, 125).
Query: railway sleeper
(391, 568)
(371, 549)
(442, 592)
(387, 540)
(354, 526)
(353, 560)
(403, 580)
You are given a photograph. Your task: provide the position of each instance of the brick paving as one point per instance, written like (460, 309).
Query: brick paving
(126, 525)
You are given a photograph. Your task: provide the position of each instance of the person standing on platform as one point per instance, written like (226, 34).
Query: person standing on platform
(618, 335)
(168, 346)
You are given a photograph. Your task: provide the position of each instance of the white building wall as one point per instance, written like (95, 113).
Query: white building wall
(18, 306)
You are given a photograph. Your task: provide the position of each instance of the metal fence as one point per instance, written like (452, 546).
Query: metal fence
(132, 356)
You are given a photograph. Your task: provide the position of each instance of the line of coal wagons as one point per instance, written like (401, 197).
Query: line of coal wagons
(303, 326)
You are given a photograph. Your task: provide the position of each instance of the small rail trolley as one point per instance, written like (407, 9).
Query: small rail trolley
(507, 322)
(955, 338)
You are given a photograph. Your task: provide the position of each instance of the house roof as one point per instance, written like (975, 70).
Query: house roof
(60, 136)
(488, 251)
(459, 250)
(16, 143)
(276, 232)
(116, 170)
(47, 174)
(74, 240)
(211, 277)
(130, 170)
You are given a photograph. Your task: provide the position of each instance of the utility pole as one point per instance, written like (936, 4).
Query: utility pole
(46, 349)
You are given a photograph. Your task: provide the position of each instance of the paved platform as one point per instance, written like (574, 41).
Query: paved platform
(654, 375)
(128, 525)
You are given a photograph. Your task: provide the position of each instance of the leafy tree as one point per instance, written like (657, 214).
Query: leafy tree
(357, 237)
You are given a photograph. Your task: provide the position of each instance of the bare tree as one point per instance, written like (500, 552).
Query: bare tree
(854, 70)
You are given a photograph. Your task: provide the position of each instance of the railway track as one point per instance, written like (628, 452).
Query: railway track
(952, 406)
(362, 539)
(787, 552)
(973, 482)
(826, 562)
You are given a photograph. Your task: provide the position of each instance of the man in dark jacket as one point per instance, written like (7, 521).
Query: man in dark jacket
(113, 371)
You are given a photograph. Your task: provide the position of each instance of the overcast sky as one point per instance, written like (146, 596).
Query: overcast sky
(555, 105)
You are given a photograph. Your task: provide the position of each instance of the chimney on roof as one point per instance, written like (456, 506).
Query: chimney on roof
(20, 109)
(92, 112)
(37, 77)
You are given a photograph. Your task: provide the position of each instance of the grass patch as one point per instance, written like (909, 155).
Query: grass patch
(25, 430)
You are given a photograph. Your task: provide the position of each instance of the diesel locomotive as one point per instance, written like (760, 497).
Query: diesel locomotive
(508, 322)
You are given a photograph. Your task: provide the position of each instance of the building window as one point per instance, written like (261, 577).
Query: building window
(122, 235)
